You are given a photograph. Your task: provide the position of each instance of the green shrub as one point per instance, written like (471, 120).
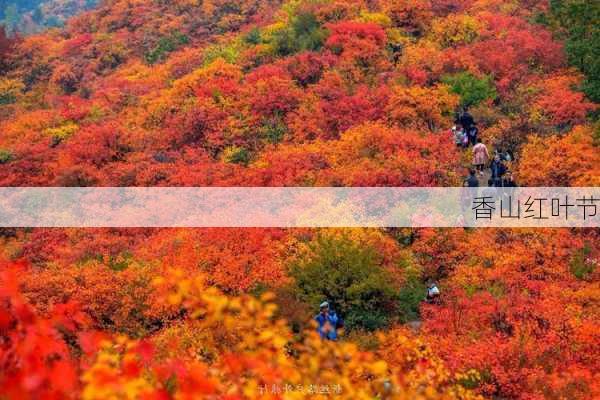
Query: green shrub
(580, 266)
(9, 90)
(253, 37)
(303, 33)
(576, 22)
(410, 297)
(351, 278)
(165, 45)
(230, 53)
(236, 155)
(273, 130)
(472, 90)
(5, 156)
(120, 262)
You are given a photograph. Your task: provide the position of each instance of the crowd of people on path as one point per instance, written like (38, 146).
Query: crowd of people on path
(466, 134)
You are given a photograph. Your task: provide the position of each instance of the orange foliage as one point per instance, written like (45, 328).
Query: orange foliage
(568, 161)
(422, 108)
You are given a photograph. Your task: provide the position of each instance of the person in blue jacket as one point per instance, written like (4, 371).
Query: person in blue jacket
(328, 322)
(498, 170)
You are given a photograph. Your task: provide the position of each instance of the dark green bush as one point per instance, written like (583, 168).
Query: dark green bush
(576, 22)
(304, 33)
(472, 90)
(273, 130)
(5, 156)
(351, 278)
(165, 45)
(253, 37)
(410, 297)
(580, 266)
(236, 155)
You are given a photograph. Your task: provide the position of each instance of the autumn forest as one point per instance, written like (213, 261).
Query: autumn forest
(327, 93)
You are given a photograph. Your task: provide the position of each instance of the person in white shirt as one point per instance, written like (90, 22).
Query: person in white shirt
(432, 291)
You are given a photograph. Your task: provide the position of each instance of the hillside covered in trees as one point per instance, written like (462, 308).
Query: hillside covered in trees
(300, 93)
(27, 16)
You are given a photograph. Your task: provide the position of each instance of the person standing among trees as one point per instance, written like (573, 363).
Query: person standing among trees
(433, 293)
(458, 134)
(480, 156)
(509, 180)
(328, 322)
(498, 170)
(472, 134)
(472, 180)
(466, 120)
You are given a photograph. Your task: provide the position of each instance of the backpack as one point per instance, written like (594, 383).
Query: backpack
(473, 131)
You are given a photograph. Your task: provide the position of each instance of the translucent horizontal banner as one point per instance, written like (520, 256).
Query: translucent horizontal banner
(289, 207)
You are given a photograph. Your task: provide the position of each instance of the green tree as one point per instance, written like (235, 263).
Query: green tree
(412, 291)
(350, 276)
(580, 265)
(165, 45)
(303, 33)
(5, 156)
(578, 22)
(471, 89)
(253, 37)
(273, 130)
(236, 155)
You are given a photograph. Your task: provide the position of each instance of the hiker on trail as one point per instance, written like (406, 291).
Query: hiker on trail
(472, 180)
(472, 134)
(328, 322)
(509, 180)
(498, 170)
(480, 156)
(459, 136)
(432, 291)
(466, 120)
(506, 156)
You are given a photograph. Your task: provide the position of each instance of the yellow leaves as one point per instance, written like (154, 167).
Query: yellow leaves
(270, 31)
(228, 52)
(114, 375)
(219, 68)
(267, 297)
(398, 37)
(376, 18)
(235, 155)
(422, 107)
(455, 30)
(379, 368)
(141, 72)
(234, 347)
(572, 159)
(175, 299)
(63, 131)
(10, 89)
(425, 55)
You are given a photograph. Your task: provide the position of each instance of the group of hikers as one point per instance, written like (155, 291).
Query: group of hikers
(466, 134)
(328, 322)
